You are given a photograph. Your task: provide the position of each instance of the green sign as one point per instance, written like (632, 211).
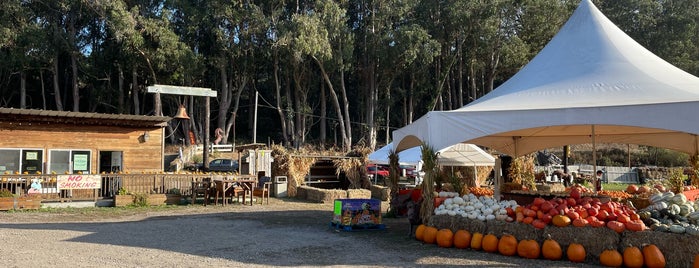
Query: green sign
(80, 162)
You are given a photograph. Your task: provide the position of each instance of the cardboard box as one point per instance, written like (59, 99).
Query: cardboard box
(357, 212)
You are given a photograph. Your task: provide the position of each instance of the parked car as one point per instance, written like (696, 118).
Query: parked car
(377, 170)
(223, 165)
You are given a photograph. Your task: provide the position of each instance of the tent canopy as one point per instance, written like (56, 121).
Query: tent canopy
(457, 155)
(591, 83)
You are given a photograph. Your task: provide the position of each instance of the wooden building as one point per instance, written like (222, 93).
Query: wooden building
(60, 142)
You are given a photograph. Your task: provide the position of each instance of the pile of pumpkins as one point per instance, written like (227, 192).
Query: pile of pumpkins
(508, 245)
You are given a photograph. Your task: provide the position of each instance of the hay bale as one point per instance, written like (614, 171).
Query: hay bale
(594, 239)
(519, 230)
(324, 195)
(679, 249)
(302, 192)
(380, 192)
(456, 223)
(358, 193)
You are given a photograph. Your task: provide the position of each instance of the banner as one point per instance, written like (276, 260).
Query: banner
(76, 181)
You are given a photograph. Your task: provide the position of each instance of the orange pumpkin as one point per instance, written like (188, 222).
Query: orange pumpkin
(580, 222)
(696, 261)
(633, 257)
(490, 243)
(561, 220)
(616, 226)
(529, 249)
(507, 245)
(477, 241)
(430, 235)
(551, 250)
(635, 226)
(445, 238)
(576, 252)
(420, 232)
(462, 239)
(653, 257)
(611, 258)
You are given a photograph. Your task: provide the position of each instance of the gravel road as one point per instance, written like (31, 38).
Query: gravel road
(284, 233)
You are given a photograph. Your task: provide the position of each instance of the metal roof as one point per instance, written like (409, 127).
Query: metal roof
(81, 118)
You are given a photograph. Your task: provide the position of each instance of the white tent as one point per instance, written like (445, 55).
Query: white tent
(591, 84)
(457, 155)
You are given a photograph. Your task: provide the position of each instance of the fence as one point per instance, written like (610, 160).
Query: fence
(216, 148)
(110, 185)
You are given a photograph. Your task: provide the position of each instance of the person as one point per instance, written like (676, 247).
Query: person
(598, 181)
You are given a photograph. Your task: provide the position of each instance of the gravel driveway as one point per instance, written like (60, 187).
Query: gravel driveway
(284, 233)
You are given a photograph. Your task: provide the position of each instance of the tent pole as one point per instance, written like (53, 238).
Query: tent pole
(594, 160)
(497, 178)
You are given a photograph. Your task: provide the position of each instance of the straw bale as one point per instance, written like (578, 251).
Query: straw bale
(519, 230)
(380, 192)
(594, 239)
(679, 249)
(359, 193)
(324, 195)
(456, 223)
(302, 192)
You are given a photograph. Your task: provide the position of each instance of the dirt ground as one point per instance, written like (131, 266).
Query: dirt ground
(286, 232)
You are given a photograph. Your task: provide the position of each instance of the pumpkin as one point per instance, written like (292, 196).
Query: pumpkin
(462, 239)
(633, 257)
(477, 241)
(528, 249)
(580, 222)
(635, 226)
(561, 220)
(576, 252)
(420, 232)
(632, 189)
(445, 238)
(611, 258)
(539, 224)
(696, 261)
(616, 226)
(490, 243)
(653, 257)
(430, 235)
(551, 249)
(507, 245)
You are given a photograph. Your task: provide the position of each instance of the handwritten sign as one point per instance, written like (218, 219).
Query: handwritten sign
(76, 181)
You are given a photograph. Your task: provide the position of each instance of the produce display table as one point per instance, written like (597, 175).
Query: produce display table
(528, 198)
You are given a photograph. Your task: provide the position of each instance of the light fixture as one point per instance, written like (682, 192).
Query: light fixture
(145, 136)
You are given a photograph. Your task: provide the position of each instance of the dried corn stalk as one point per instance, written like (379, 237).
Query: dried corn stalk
(429, 166)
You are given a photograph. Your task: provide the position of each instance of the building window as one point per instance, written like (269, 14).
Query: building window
(69, 161)
(21, 161)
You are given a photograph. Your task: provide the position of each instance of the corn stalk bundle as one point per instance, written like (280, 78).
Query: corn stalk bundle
(522, 171)
(694, 163)
(429, 165)
(352, 167)
(393, 161)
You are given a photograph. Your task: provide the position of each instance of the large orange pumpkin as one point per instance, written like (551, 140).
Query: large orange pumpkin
(507, 245)
(633, 257)
(551, 250)
(430, 235)
(576, 252)
(445, 238)
(490, 243)
(477, 241)
(696, 261)
(653, 257)
(611, 258)
(419, 232)
(529, 249)
(462, 239)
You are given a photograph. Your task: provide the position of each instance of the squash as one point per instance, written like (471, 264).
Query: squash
(477, 241)
(580, 222)
(653, 257)
(676, 228)
(420, 232)
(490, 243)
(529, 249)
(445, 238)
(611, 258)
(551, 249)
(576, 252)
(430, 235)
(616, 226)
(462, 239)
(561, 220)
(692, 230)
(633, 257)
(507, 245)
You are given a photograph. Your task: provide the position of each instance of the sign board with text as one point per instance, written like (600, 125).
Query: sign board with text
(77, 181)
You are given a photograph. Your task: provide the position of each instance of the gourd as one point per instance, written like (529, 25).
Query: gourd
(576, 252)
(529, 249)
(611, 258)
(561, 220)
(462, 239)
(653, 257)
(490, 243)
(676, 228)
(507, 245)
(633, 257)
(692, 230)
(445, 238)
(551, 249)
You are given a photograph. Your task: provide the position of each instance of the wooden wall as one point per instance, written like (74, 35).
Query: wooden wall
(138, 155)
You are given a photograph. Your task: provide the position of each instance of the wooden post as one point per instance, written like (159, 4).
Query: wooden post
(207, 123)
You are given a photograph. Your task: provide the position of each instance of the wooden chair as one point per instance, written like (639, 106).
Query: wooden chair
(202, 188)
(263, 188)
(231, 192)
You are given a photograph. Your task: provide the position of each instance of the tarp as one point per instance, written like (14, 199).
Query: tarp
(591, 83)
(456, 155)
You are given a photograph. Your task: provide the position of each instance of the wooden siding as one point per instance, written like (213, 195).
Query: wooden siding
(138, 155)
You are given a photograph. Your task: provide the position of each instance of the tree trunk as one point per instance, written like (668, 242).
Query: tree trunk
(343, 128)
(224, 102)
(277, 90)
(134, 91)
(43, 88)
(323, 114)
(22, 89)
(120, 81)
(292, 115)
(56, 87)
(74, 62)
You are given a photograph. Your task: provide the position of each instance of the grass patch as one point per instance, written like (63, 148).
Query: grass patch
(614, 186)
